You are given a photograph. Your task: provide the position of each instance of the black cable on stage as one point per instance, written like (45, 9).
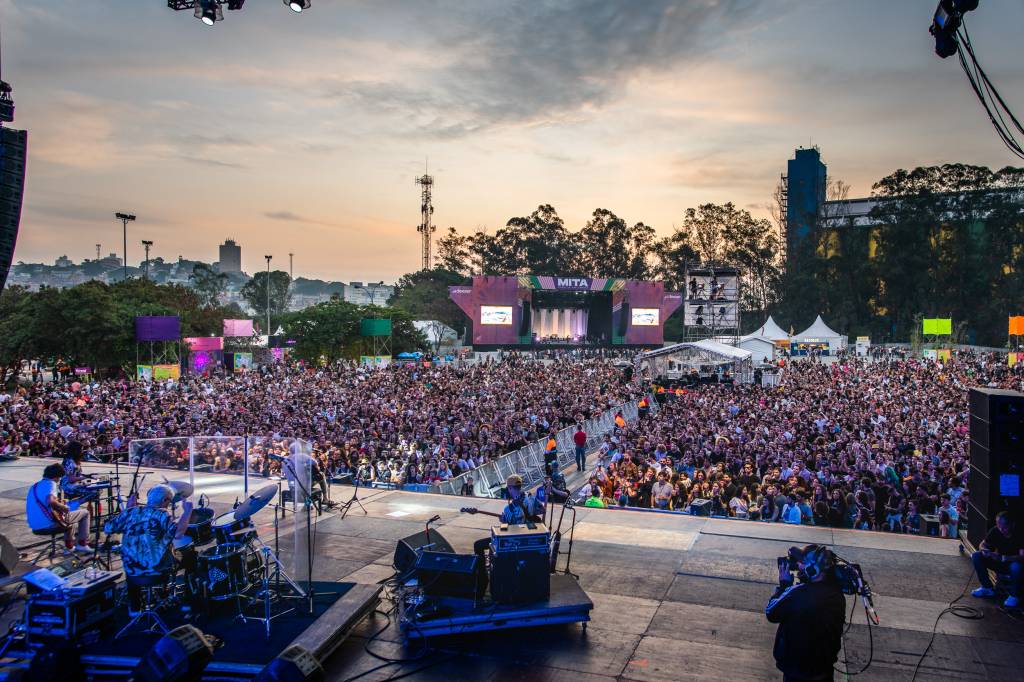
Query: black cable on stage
(968, 612)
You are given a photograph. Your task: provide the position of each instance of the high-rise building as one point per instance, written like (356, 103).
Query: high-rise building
(230, 256)
(804, 194)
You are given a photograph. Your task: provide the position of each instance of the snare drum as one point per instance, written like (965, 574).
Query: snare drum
(223, 570)
(229, 530)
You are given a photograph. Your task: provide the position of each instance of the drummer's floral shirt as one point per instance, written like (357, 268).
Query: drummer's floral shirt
(146, 537)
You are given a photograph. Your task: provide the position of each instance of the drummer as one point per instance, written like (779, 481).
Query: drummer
(147, 535)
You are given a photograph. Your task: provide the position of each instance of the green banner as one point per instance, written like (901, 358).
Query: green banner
(937, 326)
(375, 327)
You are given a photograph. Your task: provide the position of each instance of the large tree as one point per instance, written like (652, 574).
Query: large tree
(610, 247)
(424, 296)
(255, 294)
(208, 283)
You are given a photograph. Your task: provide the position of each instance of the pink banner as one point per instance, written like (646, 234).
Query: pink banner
(204, 343)
(237, 328)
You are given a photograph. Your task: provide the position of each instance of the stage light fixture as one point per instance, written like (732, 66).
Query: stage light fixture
(181, 654)
(209, 12)
(294, 664)
(297, 5)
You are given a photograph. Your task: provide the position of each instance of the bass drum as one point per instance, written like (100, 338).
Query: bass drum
(224, 571)
(200, 526)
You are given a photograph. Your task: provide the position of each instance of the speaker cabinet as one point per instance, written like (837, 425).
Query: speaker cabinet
(520, 577)
(405, 550)
(13, 154)
(997, 458)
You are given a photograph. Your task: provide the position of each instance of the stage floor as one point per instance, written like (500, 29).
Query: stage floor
(675, 597)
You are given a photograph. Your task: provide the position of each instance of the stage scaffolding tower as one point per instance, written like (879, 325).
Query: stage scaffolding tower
(712, 304)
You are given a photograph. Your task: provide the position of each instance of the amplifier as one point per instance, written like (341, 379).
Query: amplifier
(56, 614)
(700, 507)
(519, 538)
(520, 577)
(443, 574)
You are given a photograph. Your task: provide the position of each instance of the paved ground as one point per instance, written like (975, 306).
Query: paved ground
(677, 598)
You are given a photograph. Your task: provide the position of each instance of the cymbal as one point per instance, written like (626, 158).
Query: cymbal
(182, 490)
(256, 501)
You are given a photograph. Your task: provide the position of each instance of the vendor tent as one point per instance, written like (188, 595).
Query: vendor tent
(819, 332)
(771, 331)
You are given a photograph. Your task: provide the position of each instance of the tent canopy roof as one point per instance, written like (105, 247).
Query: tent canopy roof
(770, 330)
(706, 345)
(818, 330)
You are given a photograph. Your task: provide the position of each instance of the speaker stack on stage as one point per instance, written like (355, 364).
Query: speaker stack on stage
(405, 551)
(13, 151)
(997, 458)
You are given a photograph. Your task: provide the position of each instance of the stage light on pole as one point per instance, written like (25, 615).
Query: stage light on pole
(146, 243)
(209, 12)
(125, 218)
(268, 298)
(297, 5)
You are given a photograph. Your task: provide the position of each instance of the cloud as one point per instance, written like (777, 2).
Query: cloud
(292, 217)
(533, 63)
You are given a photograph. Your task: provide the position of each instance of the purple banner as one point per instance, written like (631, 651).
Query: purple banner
(157, 328)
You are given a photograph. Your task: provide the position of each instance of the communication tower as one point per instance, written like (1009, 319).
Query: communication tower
(426, 227)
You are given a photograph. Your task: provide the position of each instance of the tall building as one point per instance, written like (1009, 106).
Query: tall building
(804, 192)
(230, 256)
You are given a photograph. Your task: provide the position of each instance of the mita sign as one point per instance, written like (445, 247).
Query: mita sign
(572, 283)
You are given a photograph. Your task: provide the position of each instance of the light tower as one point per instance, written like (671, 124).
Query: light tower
(146, 243)
(426, 227)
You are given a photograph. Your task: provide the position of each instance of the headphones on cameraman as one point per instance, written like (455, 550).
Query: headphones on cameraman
(817, 559)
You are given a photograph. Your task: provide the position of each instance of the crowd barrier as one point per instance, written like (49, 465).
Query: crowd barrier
(528, 461)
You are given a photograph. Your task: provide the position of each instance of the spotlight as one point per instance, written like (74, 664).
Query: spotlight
(297, 5)
(180, 655)
(209, 11)
(294, 664)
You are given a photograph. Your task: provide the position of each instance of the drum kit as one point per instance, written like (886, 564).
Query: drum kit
(225, 559)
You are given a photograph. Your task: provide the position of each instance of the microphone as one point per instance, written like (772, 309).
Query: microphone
(436, 517)
(236, 504)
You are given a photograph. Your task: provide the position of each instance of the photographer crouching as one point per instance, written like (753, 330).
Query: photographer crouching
(810, 614)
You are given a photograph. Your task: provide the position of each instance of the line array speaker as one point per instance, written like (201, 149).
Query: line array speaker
(13, 155)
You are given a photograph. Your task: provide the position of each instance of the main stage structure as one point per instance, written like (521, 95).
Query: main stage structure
(527, 311)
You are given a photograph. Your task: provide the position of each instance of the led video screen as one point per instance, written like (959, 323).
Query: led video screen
(496, 315)
(644, 317)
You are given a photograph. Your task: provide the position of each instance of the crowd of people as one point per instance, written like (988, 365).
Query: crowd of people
(401, 424)
(853, 444)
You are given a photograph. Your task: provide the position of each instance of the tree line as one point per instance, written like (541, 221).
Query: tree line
(940, 241)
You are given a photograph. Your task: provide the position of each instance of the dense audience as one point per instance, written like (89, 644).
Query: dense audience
(851, 444)
(401, 424)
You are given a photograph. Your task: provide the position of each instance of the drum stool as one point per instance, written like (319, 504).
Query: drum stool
(151, 601)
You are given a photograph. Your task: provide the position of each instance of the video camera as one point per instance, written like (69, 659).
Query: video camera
(819, 559)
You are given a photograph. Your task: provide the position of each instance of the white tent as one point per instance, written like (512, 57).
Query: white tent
(762, 347)
(771, 331)
(819, 332)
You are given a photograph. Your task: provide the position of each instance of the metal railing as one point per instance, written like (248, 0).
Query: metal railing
(528, 461)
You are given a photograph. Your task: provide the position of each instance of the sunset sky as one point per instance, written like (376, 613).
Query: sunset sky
(304, 132)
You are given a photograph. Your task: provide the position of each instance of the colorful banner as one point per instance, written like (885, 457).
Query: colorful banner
(939, 326)
(157, 328)
(203, 361)
(1013, 358)
(204, 343)
(144, 372)
(242, 362)
(83, 370)
(238, 328)
(375, 360)
(162, 372)
(1017, 325)
(943, 354)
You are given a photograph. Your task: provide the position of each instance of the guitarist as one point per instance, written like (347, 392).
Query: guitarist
(521, 509)
(44, 510)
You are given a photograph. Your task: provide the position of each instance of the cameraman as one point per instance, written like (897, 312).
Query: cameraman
(810, 615)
